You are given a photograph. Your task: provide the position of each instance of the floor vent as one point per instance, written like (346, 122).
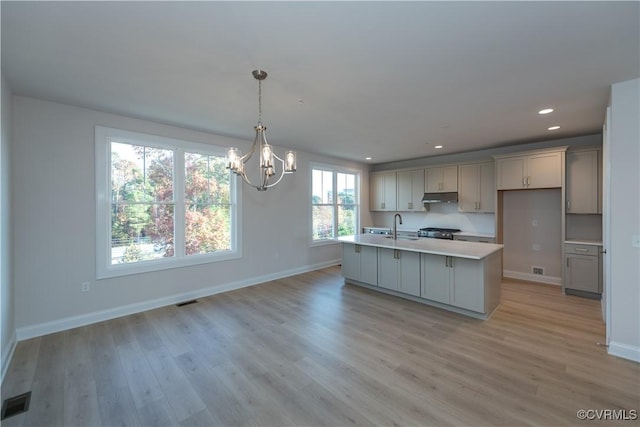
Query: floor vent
(182, 304)
(15, 405)
(538, 270)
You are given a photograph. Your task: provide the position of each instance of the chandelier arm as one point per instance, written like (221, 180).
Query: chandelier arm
(245, 158)
(282, 173)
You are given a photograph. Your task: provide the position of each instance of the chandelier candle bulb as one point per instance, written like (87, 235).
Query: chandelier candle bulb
(290, 162)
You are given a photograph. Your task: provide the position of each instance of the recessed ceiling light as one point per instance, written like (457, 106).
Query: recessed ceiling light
(546, 111)
(367, 158)
(554, 128)
(437, 146)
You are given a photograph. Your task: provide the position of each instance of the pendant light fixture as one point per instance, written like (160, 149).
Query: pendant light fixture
(267, 165)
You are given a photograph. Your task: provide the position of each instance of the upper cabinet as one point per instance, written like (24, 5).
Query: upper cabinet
(441, 179)
(476, 187)
(541, 169)
(410, 190)
(584, 183)
(383, 191)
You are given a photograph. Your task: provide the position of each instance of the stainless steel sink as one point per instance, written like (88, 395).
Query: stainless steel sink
(402, 238)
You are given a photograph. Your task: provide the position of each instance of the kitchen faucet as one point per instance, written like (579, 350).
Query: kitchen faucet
(395, 227)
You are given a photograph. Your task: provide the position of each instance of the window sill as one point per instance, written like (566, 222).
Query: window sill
(119, 270)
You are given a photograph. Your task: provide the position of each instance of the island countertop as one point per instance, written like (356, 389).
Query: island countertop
(453, 248)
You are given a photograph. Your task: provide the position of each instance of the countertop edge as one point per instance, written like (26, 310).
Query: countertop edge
(459, 249)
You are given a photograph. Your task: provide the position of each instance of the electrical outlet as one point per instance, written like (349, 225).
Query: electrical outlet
(536, 247)
(85, 287)
(538, 270)
(534, 223)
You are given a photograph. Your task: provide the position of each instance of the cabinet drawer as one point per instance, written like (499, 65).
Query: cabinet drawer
(571, 248)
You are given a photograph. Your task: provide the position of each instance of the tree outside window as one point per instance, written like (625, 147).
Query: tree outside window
(334, 202)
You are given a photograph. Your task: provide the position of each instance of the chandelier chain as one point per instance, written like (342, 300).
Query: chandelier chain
(260, 101)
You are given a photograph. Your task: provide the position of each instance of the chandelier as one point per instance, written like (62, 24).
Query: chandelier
(267, 167)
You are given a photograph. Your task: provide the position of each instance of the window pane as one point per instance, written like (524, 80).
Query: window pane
(347, 216)
(322, 222)
(322, 187)
(346, 188)
(159, 174)
(207, 179)
(127, 174)
(208, 229)
(141, 232)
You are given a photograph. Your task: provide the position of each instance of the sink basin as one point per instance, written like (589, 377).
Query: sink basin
(401, 238)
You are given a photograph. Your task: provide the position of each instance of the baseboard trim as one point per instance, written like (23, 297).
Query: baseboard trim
(550, 280)
(100, 316)
(7, 355)
(624, 351)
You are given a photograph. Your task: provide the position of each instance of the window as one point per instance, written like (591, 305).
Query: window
(161, 203)
(335, 198)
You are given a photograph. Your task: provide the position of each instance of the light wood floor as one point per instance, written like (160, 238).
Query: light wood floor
(310, 351)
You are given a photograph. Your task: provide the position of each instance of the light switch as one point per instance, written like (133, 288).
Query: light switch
(534, 223)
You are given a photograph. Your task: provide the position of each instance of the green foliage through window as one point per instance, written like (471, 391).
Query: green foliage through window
(333, 216)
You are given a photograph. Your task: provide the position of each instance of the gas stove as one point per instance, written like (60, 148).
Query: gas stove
(438, 233)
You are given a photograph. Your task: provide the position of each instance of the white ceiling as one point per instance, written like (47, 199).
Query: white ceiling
(351, 79)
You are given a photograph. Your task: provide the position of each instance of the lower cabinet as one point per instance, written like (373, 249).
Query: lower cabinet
(467, 286)
(399, 271)
(359, 263)
(583, 268)
(454, 281)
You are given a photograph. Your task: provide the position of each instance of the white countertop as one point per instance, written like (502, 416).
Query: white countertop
(584, 242)
(455, 248)
(475, 234)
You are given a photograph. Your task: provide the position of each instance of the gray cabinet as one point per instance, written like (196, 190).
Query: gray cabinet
(583, 268)
(527, 171)
(359, 263)
(454, 281)
(399, 270)
(584, 182)
(383, 191)
(476, 187)
(410, 190)
(442, 179)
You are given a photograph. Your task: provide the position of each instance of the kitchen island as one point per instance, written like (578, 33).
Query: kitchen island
(459, 276)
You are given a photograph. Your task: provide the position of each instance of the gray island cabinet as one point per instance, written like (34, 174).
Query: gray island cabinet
(459, 276)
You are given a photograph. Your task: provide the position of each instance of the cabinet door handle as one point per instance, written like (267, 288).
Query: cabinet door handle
(568, 262)
(528, 181)
(581, 250)
(410, 205)
(358, 247)
(603, 251)
(398, 256)
(524, 181)
(382, 205)
(446, 261)
(451, 262)
(568, 205)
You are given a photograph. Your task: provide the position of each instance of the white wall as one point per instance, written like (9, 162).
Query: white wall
(527, 245)
(625, 220)
(54, 220)
(7, 313)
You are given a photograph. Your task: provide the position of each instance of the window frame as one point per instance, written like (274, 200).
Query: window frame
(335, 170)
(104, 268)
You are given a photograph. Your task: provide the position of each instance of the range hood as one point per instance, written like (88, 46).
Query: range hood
(451, 197)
